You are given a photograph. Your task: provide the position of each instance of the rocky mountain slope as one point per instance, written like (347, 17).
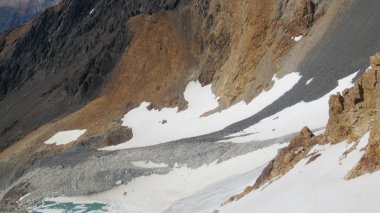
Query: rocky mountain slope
(16, 12)
(204, 44)
(353, 115)
(101, 100)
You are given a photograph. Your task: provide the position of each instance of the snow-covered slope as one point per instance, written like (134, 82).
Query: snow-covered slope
(318, 186)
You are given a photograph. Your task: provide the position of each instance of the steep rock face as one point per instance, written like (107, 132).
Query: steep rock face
(353, 112)
(370, 162)
(60, 63)
(17, 12)
(262, 36)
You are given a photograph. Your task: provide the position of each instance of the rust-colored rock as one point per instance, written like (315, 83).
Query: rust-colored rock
(287, 157)
(298, 16)
(351, 113)
(117, 135)
(370, 162)
(285, 160)
(375, 60)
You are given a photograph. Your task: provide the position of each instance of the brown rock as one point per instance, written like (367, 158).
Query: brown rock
(350, 112)
(298, 16)
(370, 162)
(306, 133)
(117, 135)
(375, 60)
(336, 104)
(287, 157)
(285, 160)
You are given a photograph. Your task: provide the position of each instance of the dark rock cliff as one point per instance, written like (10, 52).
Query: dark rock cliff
(60, 63)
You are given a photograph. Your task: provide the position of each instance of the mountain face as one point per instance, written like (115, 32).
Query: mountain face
(94, 43)
(15, 13)
(178, 106)
(91, 42)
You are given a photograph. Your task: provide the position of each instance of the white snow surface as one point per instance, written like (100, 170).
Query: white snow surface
(313, 114)
(190, 122)
(297, 38)
(23, 197)
(155, 193)
(65, 137)
(149, 164)
(209, 198)
(317, 187)
(309, 81)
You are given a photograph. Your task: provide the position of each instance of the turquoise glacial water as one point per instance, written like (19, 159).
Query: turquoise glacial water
(69, 207)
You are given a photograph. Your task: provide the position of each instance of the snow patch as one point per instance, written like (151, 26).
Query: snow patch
(23, 197)
(207, 199)
(370, 67)
(190, 122)
(309, 81)
(65, 137)
(297, 38)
